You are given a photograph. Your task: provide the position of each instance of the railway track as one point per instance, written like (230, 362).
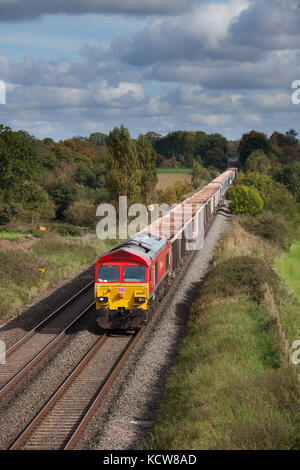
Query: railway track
(64, 417)
(26, 352)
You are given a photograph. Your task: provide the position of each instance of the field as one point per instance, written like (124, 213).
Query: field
(168, 177)
(186, 171)
(289, 267)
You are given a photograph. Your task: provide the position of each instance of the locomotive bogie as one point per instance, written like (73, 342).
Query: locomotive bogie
(121, 319)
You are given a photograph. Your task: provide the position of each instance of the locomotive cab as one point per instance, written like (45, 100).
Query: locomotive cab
(124, 283)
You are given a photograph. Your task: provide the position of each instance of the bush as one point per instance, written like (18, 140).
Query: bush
(66, 230)
(289, 175)
(199, 174)
(276, 197)
(63, 196)
(81, 213)
(240, 274)
(169, 196)
(258, 162)
(271, 227)
(8, 212)
(245, 200)
(182, 188)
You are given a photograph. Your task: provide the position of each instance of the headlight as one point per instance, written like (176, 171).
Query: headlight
(140, 300)
(102, 299)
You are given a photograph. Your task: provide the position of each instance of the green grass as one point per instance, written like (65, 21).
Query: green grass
(288, 265)
(21, 281)
(187, 171)
(11, 236)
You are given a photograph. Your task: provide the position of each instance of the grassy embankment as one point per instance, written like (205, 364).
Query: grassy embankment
(289, 267)
(23, 255)
(231, 386)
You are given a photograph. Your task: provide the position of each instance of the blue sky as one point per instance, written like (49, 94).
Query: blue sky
(54, 36)
(74, 67)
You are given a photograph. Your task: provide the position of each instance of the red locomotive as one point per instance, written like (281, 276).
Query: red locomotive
(128, 279)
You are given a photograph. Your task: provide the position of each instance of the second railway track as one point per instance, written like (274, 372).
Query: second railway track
(62, 420)
(26, 352)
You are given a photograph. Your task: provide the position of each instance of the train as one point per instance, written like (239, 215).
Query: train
(134, 276)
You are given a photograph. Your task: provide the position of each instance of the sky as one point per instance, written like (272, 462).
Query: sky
(73, 67)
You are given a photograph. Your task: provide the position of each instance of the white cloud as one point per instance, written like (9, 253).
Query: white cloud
(219, 67)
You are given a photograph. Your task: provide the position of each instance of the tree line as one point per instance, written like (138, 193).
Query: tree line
(41, 179)
(44, 179)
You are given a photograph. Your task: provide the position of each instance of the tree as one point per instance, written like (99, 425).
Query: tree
(245, 200)
(152, 137)
(123, 169)
(199, 174)
(18, 161)
(276, 196)
(82, 213)
(35, 202)
(215, 157)
(146, 159)
(285, 146)
(258, 162)
(251, 142)
(290, 176)
(63, 196)
(90, 176)
(98, 139)
(49, 142)
(7, 212)
(291, 136)
(187, 147)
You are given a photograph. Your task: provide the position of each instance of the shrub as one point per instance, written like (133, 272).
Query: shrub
(289, 175)
(81, 213)
(275, 195)
(66, 229)
(63, 196)
(245, 200)
(199, 174)
(240, 274)
(258, 162)
(169, 196)
(271, 227)
(8, 212)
